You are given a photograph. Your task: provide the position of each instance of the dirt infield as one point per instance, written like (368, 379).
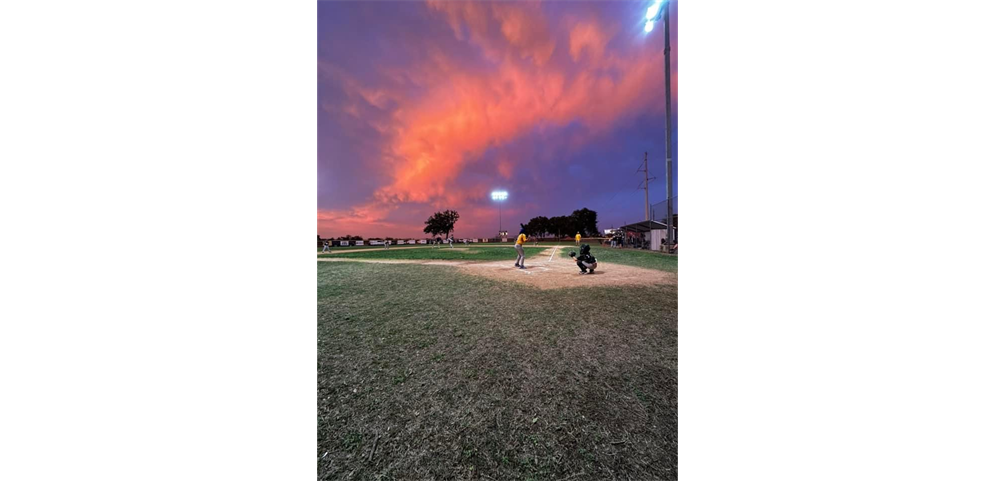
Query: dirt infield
(543, 272)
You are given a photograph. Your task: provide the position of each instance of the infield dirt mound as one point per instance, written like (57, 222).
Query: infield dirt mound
(543, 272)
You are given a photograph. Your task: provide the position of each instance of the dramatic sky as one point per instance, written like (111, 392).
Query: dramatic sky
(427, 106)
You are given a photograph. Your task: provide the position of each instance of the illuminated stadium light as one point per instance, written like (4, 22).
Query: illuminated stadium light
(652, 11)
(649, 27)
(499, 195)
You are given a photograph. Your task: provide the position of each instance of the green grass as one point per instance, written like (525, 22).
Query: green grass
(394, 246)
(429, 244)
(442, 253)
(454, 376)
(363, 247)
(630, 257)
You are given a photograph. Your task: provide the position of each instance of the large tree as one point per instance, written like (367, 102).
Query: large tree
(561, 225)
(586, 222)
(583, 220)
(536, 227)
(547, 225)
(441, 223)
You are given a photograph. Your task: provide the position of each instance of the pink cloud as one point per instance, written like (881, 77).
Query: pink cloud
(464, 111)
(588, 37)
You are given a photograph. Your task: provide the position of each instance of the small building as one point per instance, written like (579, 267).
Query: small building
(652, 232)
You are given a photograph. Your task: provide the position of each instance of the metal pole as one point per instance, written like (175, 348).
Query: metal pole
(646, 182)
(670, 166)
(499, 218)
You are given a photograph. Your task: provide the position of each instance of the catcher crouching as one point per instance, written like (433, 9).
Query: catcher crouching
(585, 261)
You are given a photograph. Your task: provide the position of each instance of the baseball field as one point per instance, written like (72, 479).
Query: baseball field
(449, 363)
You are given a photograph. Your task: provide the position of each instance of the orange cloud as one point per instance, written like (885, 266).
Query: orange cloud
(589, 37)
(474, 15)
(525, 29)
(463, 112)
(521, 25)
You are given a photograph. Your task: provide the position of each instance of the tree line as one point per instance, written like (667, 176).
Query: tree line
(584, 221)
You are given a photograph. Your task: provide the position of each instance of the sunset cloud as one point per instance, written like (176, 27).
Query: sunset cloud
(478, 79)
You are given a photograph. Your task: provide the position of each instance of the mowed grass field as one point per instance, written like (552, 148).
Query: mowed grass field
(430, 253)
(629, 257)
(425, 372)
(364, 247)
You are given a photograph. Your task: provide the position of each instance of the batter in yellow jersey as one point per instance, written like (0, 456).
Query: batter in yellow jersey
(520, 248)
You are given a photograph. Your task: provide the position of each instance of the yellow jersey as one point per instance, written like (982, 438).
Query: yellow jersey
(521, 239)
(578, 237)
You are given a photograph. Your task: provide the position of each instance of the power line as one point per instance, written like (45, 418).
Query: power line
(606, 204)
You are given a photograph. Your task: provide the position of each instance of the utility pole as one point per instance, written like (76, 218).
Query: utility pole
(646, 181)
(670, 170)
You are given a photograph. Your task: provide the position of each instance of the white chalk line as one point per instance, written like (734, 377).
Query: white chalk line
(551, 254)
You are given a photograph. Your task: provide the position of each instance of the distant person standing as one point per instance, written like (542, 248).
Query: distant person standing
(325, 248)
(386, 244)
(450, 240)
(578, 238)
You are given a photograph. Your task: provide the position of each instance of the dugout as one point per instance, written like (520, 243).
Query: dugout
(654, 233)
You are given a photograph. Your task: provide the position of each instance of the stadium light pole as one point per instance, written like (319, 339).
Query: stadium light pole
(499, 196)
(661, 8)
